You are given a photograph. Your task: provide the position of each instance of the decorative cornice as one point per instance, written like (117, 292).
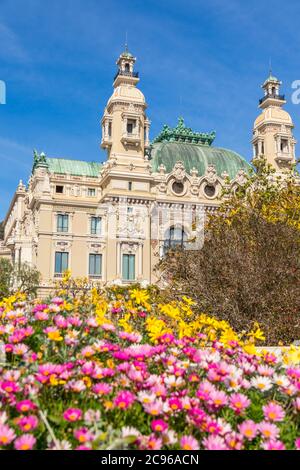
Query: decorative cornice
(181, 133)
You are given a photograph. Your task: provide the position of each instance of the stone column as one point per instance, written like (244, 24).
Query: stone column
(118, 260)
(259, 147)
(140, 266)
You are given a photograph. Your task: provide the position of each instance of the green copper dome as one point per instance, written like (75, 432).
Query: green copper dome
(197, 156)
(271, 78)
(194, 150)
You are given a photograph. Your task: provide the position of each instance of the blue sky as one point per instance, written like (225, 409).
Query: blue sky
(204, 60)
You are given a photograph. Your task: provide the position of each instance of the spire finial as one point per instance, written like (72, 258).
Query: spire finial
(270, 66)
(126, 42)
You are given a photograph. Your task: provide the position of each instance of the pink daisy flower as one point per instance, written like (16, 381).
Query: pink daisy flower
(175, 404)
(154, 408)
(124, 399)
(27, 423)
(218, 398)
(159, 425)
(25, 442)
(9, 386)
(296, 403)
(72, 414)
(83, 435)
(214, 443)
(154, 442)
(234, 440)
(7, 435)
(189, 443)
(273, 445)
(248, 429)
(239, 402)
(268, 430)
(25, 405)
(273, 412)
(102, 389)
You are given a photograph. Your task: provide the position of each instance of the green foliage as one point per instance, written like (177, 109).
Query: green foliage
(249, 267)
(6, 271)
(23, 278)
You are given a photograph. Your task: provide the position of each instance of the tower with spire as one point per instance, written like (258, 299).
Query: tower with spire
(125, 127)
(273, 128)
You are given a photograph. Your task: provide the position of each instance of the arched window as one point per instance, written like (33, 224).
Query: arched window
(127, 69)
(175, 237)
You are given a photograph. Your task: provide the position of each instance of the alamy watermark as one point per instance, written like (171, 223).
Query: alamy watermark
(2, 92)
(296, 93)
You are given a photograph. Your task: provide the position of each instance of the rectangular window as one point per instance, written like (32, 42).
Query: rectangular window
(59, 189)
(130, 186)
(131, 126)
(128, 267)
(95, 265)
(62, 223)
(95, 225)
(284, 145)
(91, 192)
(61, 262)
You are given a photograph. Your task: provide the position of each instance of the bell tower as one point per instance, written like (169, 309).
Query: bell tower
(273, 128)
(125, 127)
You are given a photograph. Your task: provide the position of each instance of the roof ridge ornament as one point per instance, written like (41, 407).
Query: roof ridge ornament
(39, 160)
(182, 133)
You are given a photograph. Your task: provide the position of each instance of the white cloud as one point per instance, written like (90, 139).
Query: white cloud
(10, 45)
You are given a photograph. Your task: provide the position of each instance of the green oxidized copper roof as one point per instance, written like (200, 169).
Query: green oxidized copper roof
(181, 133)
(167, 149)
(271, 78)
(197, 156)
(126, 53)
(73, 167)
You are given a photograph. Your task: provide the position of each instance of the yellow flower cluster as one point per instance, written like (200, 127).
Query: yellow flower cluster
(8, 302)
(177, 317)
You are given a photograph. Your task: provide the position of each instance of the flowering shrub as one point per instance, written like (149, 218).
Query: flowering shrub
(112, 369)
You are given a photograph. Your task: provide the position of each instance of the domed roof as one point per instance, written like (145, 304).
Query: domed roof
(271, 78)
(127, 92)
(195, 151)
(273, 114)
(197, 156)
(127, 54)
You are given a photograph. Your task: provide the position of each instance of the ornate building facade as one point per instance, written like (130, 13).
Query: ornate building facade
(113, 221)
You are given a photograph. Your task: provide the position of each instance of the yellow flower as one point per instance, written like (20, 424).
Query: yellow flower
(124, 323)
(140, 297)
(55, 336)
(188, 301)
(110, 363)
(156, 328)
(67, 306)
(250, 349)
(292, 355)
(66, 276)
(87, 381)
(257, 333)
(170, 310)
(53, 380)
(108, 405)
